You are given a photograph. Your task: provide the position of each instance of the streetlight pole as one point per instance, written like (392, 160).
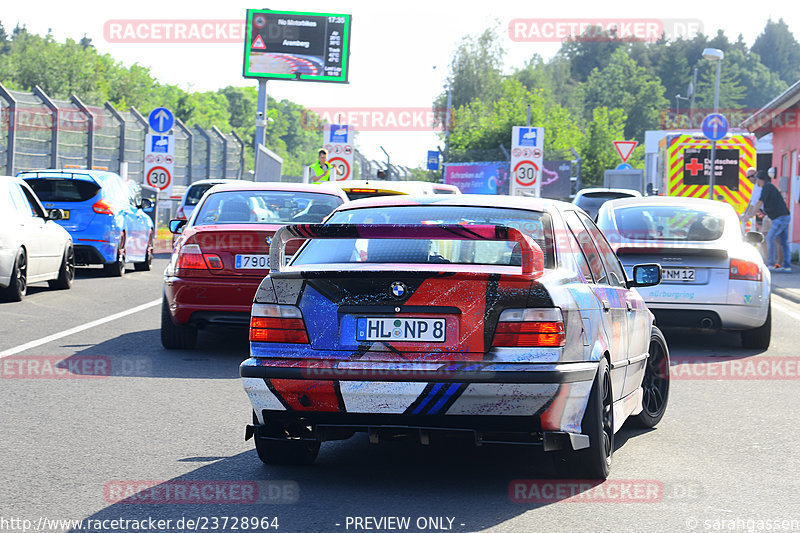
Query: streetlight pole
(714, 54)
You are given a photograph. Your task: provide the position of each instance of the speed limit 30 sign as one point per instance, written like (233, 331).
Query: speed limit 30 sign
(159, 178)
(159, 163)
(340, 168)
(526, 173)
(527, 149)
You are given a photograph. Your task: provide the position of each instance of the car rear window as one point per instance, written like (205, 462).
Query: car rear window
(63, 189)
(535, 224)
(669, 223)
(268, 207)
(591, 202)
(196, 192)
(357, 194)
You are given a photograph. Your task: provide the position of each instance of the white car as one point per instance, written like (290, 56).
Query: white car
(713, 276)
(33, 248)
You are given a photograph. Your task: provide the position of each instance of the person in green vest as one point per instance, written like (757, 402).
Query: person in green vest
(320, 168)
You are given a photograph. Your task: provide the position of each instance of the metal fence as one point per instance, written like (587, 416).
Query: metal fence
(38, 132)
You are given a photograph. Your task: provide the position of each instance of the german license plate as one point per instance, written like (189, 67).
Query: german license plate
(252, 261)
(400, 329)
(677, 274)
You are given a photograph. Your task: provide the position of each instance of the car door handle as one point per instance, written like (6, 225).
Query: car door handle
(606, 305)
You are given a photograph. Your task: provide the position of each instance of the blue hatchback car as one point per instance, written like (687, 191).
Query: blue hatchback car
(104, 213)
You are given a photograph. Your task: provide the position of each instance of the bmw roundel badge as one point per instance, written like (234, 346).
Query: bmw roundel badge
(398, 288)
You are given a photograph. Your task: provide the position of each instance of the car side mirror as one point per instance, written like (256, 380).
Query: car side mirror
(176, 225)
(146, 205)
(754, 237)
(55, 214)
(645, 275)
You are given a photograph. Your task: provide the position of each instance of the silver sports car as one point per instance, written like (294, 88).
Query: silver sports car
(713, 276)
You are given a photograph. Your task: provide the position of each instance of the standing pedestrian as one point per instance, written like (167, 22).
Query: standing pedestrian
(321, 169)
(774, 206)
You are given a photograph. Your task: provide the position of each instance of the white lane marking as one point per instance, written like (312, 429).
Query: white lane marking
(783, 309)
(77, 329)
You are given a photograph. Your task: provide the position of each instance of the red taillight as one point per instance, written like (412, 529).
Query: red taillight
(741, 269)
(180, 214)
(530, 328)
(101, 207)
(277, 323)
(192, 257)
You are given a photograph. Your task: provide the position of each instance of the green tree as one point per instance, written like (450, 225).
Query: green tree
(779, 50)
(623, 84)
(589, 51)
(475, 71)
(597, 146)
(485, 126)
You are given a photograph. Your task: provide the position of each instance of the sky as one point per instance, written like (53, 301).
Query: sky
(399, 53)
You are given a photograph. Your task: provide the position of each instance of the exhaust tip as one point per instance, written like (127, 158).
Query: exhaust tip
(706, 323)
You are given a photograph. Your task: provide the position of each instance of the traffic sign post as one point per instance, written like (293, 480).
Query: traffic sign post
(527, 154)
(625, 149)
(161, 120)
(159, 163)
(433, 160)
(338, 141)
(715, 127)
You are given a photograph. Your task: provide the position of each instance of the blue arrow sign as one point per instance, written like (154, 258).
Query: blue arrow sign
(624, 166)
(715, 126)
(161, 120)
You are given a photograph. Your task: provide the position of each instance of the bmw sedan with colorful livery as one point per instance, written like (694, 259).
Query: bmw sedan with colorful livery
(501, 319)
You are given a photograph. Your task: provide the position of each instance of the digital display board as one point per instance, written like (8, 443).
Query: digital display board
(289, 45)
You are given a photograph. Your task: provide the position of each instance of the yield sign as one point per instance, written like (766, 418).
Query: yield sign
(258, 43)
(625, 148)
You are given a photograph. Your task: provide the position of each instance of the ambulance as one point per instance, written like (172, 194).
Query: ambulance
(684, 163)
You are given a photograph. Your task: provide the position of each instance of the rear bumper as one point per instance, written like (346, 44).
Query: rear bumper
(722, 316)
(95, 254)
(469, 396)
(208, 301)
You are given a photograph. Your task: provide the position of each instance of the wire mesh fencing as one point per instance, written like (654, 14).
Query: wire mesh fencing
(37, 132)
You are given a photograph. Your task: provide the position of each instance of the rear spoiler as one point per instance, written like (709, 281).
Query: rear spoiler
(531, 253)
(56, 174)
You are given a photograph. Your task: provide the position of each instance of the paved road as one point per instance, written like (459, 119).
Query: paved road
(71, 447)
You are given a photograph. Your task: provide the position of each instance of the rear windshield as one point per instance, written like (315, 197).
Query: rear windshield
(196, 192)
(357, 194)
(591, 202)
(268, 207)
(533, 223)
(668, 223)
(63, 189)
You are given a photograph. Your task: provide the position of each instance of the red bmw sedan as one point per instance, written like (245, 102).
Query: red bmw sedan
(222, 253)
